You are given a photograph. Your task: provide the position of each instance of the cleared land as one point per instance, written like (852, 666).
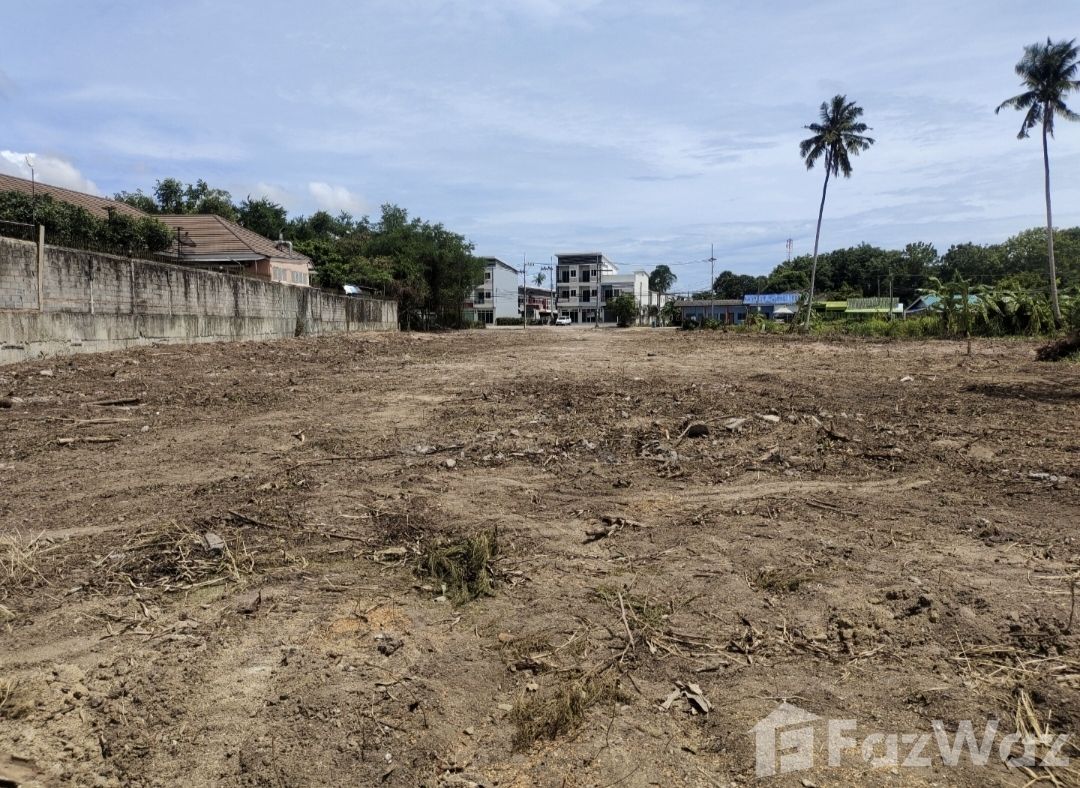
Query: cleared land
(210, 570)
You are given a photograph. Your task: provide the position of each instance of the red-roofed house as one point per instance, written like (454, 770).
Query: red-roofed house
(209, 241)
(200, 241)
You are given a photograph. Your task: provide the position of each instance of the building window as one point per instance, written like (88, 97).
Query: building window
(573, 273)
(487, 276)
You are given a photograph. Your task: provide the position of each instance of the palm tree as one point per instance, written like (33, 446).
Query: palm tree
(539, 278)
(660, 281)
(1048, 71)
(837, 137)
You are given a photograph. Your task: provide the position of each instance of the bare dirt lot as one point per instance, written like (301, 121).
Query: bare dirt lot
(234, 564)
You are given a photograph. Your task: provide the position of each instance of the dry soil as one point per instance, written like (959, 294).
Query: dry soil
(209, 558)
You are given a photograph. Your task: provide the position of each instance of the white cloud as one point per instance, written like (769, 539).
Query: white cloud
(47, 169)
(273, 192)
(336, 198)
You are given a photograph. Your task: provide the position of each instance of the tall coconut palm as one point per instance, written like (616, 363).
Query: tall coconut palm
(539, 278)
(1048, 71)
(837, 137)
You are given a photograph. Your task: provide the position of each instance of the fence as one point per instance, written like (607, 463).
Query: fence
(19, 230)
(55, 300)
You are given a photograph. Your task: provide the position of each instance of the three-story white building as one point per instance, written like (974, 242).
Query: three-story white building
(586, 281)
(497, 295)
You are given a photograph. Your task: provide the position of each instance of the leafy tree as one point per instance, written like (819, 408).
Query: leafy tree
(172, 196)
(838, 136)
(662, 279)
(1048, 71)
(624, 308)
(972, 261)
(538, 280)
(138, 200)
(263, 216)
(669, 312)
(731, 285)
(784, 279)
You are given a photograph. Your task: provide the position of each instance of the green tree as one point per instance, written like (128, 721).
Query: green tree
(838, 137)
(173, 196)
(538, 280)
(662, 279)
(262, 216)
(624, 308)
(669, 312)
(1048, 71)
(137, 199)
(731, 285)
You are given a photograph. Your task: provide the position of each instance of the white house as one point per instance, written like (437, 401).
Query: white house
(497, 296)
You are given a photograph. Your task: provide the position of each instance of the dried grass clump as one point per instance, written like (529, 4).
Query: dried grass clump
(1037, 739)
(463, 566)
(14, 700)
(1060, 349)
(778, 580)
(19, 562)
(534, 652)
(174, 557)
(563, 708)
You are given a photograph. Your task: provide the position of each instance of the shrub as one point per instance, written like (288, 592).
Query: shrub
(70, 225)
(463, 566)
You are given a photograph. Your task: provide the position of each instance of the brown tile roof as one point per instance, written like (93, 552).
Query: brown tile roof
(215, 238)
(98, 206)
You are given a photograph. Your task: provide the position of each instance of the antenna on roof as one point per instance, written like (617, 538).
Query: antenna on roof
(33, 189)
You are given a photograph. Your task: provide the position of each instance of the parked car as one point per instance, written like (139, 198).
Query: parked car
(562, 320)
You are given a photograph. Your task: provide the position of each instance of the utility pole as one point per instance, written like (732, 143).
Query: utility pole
(890, 297)
(599, 289)
(524, 292)
(33, 190)
(551, 280)
(712, 278)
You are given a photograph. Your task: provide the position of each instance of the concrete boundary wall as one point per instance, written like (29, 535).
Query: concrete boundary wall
(57, 301)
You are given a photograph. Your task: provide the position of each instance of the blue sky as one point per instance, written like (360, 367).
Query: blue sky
(646, 130)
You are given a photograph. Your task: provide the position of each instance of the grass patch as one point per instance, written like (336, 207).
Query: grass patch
(462, 566)
(562, 709)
